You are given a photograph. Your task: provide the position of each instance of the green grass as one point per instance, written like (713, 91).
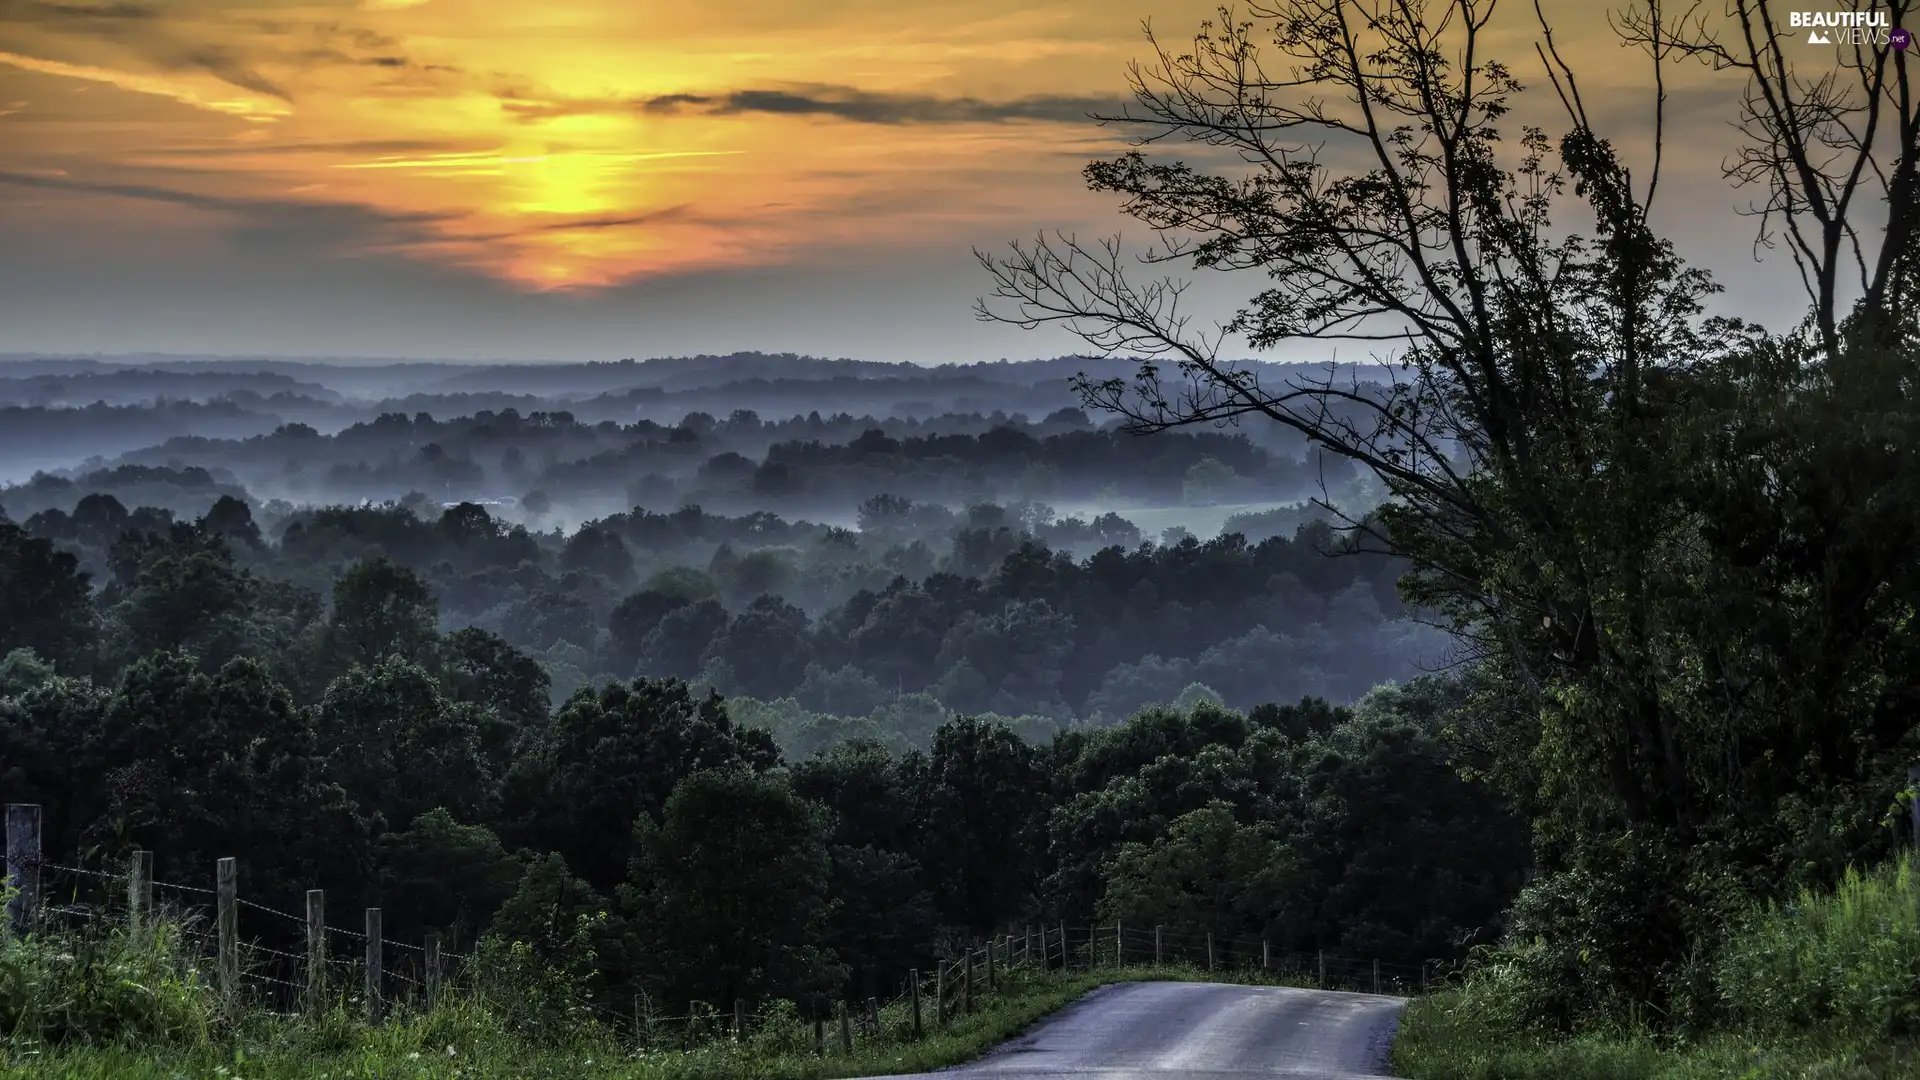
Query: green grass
(1436, 1042)
(464, 1042)
(1824, 988)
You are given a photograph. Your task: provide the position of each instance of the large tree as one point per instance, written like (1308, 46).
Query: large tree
(1681, 545)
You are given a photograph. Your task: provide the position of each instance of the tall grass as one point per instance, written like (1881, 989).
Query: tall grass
(89, 1005)
(134, 988)
(1846, 962)
(1826, 987)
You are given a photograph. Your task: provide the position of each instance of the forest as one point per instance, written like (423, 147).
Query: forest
(1009, 734)
(1575, 648)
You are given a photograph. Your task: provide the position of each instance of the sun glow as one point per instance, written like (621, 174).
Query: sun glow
(575, 144)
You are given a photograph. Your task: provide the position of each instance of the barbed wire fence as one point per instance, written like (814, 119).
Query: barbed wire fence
(365, 970)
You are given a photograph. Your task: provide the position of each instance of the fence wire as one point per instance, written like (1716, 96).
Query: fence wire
(282, 980)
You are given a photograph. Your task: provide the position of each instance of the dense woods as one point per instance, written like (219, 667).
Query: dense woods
(201, 701)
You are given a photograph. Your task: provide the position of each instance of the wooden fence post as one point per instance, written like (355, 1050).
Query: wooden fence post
(940, 994)
(227, 913)
(1209, 950)
(374, 963)
(846, 1027)
(1157, 959)
(140, 890)
(990, 980)
(1026, 953)
(1119, 945)
(1423, 978)
(1063, 945)
(1376, 976)
(966, 984)
(1266, 956)
(873, 1015)
(913, 981)
(739, 1019)
(433, 972)
(23, 865)
(316, 951)
(1323, 969)
(819, 1031)
(1913, 807)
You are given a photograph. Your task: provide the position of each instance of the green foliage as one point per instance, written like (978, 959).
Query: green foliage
(381, 609)
(442, 874)
(730, 892)
(1825, 986)
(1846, 962)
(122, 988)
(44, 601)
(985, 822)
(1206, 874)
(617, 754)
(538, 998)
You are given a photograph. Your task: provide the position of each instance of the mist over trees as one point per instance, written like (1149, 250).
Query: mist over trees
(779, 700)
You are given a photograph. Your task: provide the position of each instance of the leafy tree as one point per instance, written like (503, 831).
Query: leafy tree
(984, 812)
(1208, 873)
(483, 670)
(43, 598)
(676, 645)
(439, 873)
(194, 600)
(846, 691)
(396, 743)
(382, 609)
(731, 889)
(614, 755)
(231, 519)
(632, 620)
(598, 551)
(766, 645)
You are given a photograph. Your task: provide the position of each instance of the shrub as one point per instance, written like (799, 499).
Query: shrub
(1845, 962)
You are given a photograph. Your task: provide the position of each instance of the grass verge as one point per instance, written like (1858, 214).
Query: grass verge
(1823, 987)
(461, 1042)
(1436, 1042)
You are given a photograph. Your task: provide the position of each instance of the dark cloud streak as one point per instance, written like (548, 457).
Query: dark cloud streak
(670, 213)
(838, 102)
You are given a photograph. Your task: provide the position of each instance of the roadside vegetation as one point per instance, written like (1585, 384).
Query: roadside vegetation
(79, 1006)
(1824, 986)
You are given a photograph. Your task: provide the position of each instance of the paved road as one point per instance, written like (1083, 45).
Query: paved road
(1200, 1031)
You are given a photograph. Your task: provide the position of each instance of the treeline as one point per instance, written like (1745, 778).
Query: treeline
(540, 462)
(639, 839)
(974, 609)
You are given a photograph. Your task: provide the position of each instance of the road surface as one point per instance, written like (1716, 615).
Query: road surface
(1199, 1031)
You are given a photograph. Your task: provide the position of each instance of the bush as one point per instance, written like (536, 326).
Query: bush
(543, 1002)
(1845, 962)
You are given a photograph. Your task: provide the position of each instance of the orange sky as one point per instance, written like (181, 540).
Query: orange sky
(556, 144)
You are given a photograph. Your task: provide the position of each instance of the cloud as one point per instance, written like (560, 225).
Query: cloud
(147, 84)
(103, 15)
(670, 213)
(839, 102)
(259, 216)
(228, 68)
(346, 146)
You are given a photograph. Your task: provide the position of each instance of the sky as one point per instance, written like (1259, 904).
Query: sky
(596, 179)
